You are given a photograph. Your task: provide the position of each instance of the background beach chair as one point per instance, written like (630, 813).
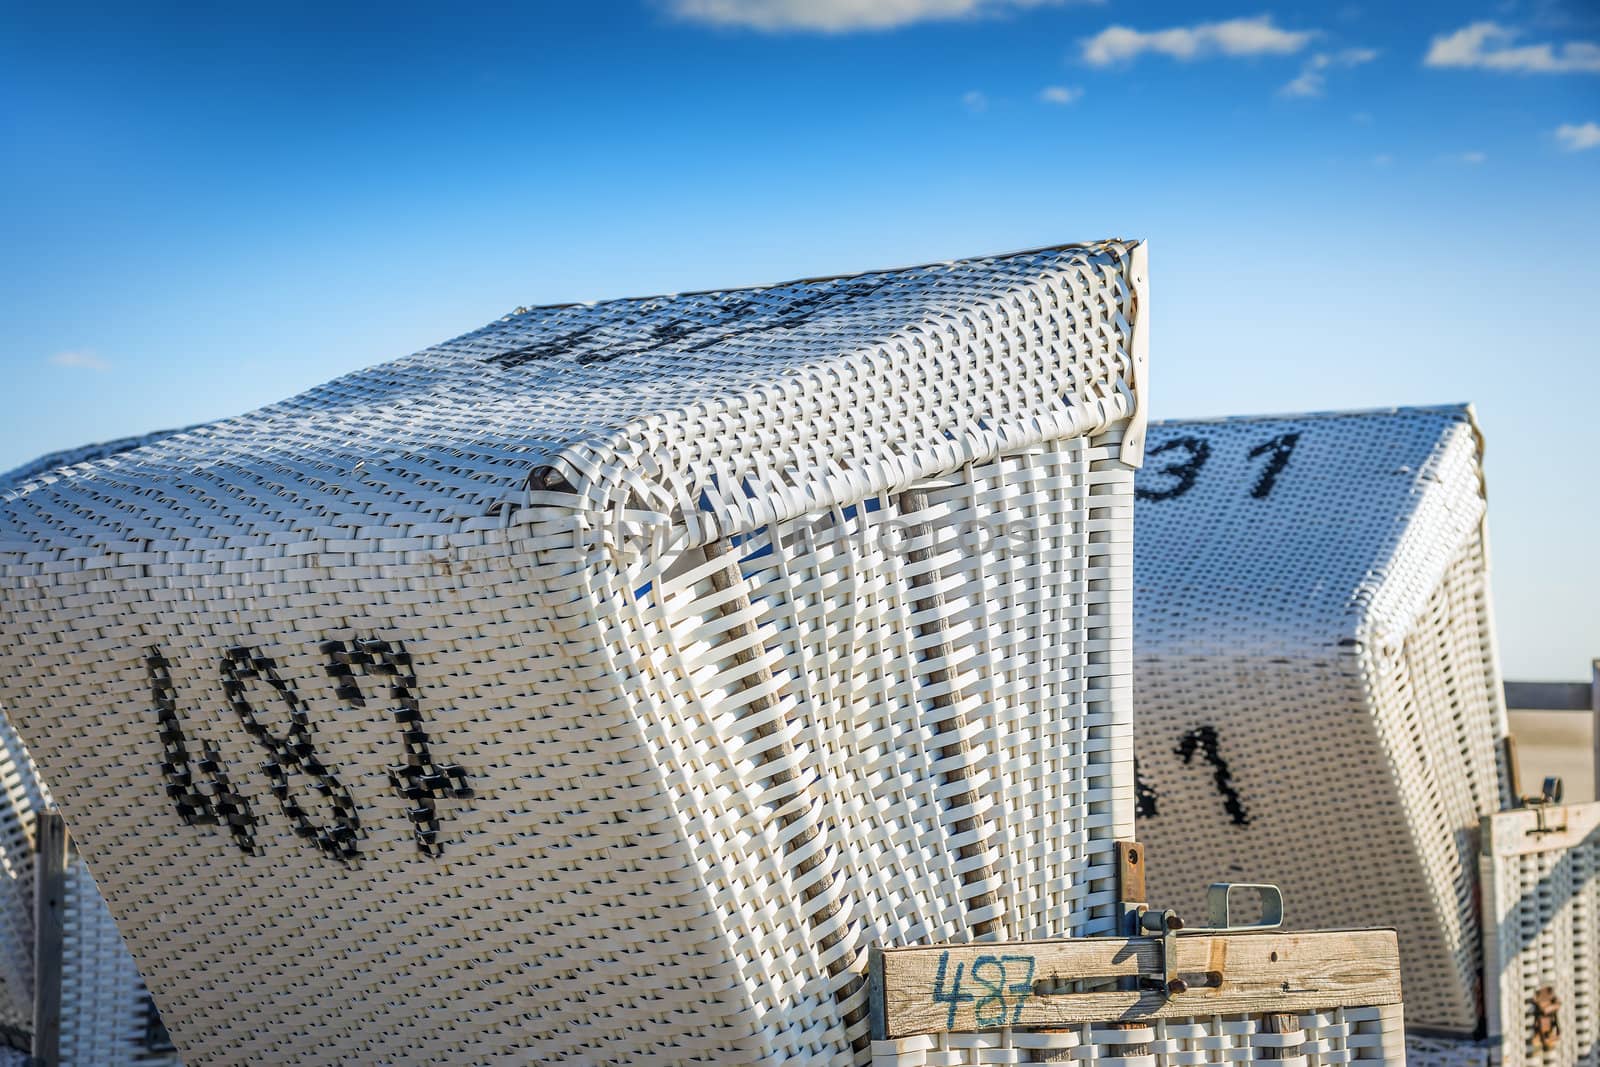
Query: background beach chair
(1318, 703)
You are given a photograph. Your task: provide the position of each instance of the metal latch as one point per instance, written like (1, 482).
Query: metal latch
(1168, 925)
(1135, 917)
(1219, 906)
(1548, 799)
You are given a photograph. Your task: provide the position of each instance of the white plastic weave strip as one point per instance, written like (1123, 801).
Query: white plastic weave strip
(600, 684)
(1541, 903)
(1318, 701)
(1319, 1039)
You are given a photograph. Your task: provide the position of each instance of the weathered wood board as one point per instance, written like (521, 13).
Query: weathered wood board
(986, 986)
(1549, 828)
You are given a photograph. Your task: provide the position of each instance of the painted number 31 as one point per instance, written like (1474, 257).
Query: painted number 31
(204, 794)
(1186, 458)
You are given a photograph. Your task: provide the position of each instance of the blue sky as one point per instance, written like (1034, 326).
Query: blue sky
(208, 207)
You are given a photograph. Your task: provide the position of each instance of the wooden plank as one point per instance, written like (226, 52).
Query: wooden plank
(972, 987)
(1546, 828)
(1508, 744)
(1547, 696)
(49, 912)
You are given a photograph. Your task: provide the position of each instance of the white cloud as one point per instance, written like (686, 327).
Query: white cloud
(1578, 138)
(1382, 159)
(1233, 37)
(842, 16)
(1313, 77)
(1471, 159)
(79, 359)
(975, 101)
(1487, 46)
(1060, 94)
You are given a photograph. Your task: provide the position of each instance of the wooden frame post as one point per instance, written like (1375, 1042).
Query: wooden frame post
(49, 913)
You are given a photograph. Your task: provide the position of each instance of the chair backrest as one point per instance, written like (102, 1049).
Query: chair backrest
(1317, 698)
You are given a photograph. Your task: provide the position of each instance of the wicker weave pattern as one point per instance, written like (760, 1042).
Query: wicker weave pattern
(23, 797)
(57, 463)
(657, 581)
(1315, 649)
(1425, 1050)
(1542, 925)
(1344, 1035)
(105, 1007)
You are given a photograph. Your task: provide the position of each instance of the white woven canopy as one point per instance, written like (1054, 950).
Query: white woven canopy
(1317, 697)
(599, 684)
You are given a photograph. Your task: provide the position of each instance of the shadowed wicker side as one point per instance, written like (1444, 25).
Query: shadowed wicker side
(411, 719)
(107, 1017)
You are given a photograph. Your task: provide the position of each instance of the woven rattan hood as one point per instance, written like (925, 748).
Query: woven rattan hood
(718, 411)
(1287, 534)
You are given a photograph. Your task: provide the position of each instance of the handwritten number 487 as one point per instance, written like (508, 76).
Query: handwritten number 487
(1187, 456)
(1003, 985)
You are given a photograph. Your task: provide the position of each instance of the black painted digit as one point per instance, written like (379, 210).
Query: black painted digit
(1204, 740)
(596, 343)
(291, 753)
(1144, 795)
(1197, 451)
(420, 779)
(214, 802)
(1278, 450)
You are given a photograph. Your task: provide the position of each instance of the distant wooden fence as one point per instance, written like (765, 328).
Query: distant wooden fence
(1562, 696)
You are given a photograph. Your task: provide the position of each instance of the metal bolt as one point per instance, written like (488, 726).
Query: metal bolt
(1176, 986)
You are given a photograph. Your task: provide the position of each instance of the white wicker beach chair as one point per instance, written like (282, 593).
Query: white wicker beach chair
(1318, 701)
(593, 686)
